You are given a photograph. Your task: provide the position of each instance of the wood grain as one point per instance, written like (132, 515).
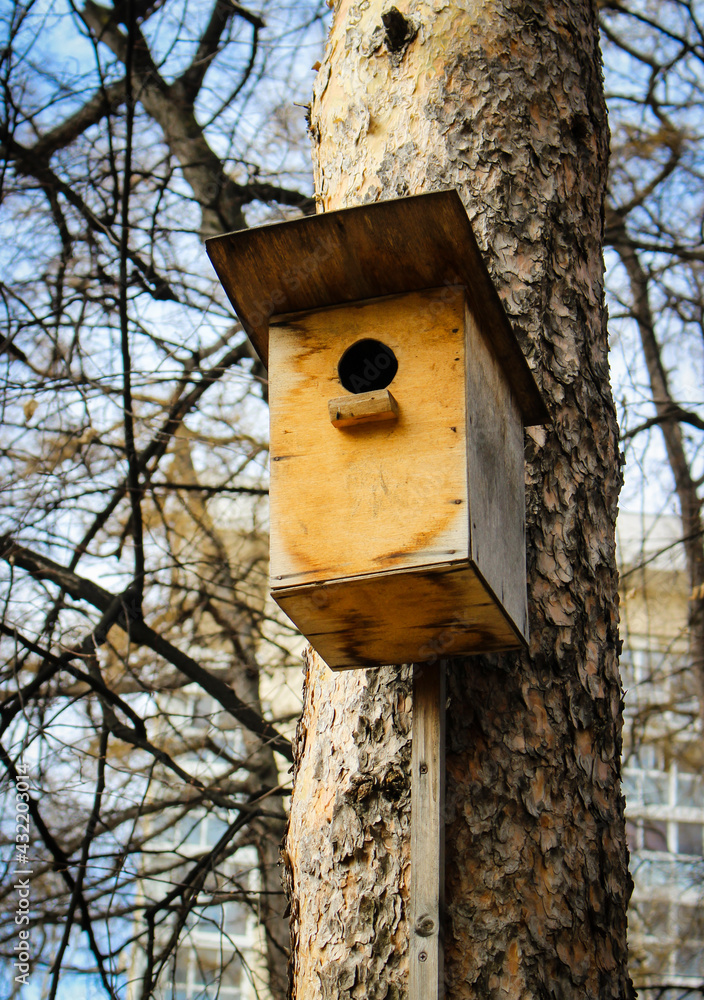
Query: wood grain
(399, 617)
(425, 970)
(496, 473)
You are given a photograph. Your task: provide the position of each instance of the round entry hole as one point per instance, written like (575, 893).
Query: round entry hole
(367, 365)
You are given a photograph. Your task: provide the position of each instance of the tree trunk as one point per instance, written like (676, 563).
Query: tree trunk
(502, 100)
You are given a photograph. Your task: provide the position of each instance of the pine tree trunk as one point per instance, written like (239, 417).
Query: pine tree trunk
(502, 100)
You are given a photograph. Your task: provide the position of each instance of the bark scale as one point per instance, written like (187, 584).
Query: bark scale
(502, 100)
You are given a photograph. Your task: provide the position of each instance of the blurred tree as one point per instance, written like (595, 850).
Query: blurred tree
(654, 56)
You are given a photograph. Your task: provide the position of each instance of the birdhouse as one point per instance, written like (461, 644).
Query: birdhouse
(398, 396)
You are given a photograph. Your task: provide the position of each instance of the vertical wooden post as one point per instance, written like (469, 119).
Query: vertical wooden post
(427, 832)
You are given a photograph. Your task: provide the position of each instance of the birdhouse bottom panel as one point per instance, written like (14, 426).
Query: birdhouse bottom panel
(401, 617)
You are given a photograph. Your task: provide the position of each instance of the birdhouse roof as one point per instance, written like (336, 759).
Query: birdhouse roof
(366, 252)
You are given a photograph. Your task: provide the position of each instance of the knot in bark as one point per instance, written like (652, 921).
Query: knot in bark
(399, 32)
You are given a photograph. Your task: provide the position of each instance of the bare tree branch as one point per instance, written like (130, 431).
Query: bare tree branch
(82, 589)
(674, 412)
(62, 865)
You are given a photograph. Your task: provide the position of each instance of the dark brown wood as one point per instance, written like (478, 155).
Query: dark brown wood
(425, 973)
(400, 617)
(368, 252)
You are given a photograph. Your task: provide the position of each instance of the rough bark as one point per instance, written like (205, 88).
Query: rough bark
(347, 851)
(504, 101)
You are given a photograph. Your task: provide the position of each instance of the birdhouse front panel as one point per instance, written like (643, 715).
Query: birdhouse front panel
(368, 496)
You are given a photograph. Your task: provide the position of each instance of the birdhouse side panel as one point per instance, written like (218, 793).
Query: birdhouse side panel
(496, 478)
(373, 496)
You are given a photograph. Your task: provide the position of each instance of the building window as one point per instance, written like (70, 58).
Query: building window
(690, 839)
(654, 835)
(229, 919)
(690, 790)
(647, 835)
(206, 974)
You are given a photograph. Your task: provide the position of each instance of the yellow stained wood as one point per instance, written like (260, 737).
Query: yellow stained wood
(383, 495)
(400, 617)
(363, 408)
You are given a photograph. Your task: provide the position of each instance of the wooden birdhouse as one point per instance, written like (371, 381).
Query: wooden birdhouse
(398, 395)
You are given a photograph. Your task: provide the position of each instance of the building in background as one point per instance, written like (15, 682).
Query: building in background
(663, 757)
(220, 951)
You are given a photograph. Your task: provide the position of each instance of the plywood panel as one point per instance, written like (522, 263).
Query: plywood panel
(347, 501)
(399, 617)
(496, 478)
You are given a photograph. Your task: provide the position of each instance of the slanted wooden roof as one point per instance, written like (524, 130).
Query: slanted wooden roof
(386, 248)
